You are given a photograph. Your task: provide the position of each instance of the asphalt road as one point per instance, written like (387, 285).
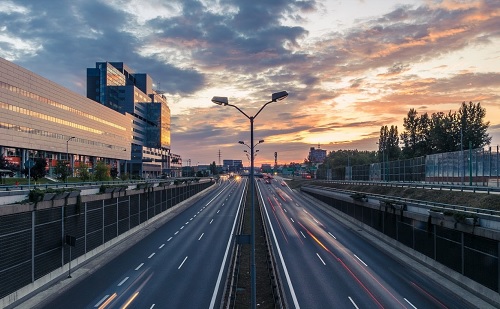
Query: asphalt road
(327, 264)
(182, 264)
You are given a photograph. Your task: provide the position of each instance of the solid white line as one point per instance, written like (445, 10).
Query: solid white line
(353, 303)
(360, 260)
(151, 255)
(285, 270)
(138, 267)
(409, 303)
(123, 281)
(162, 245)
(169, 239)
(182, 263)
(211, 221)
(221, 270)
(292, 220)
(302, 234)
(332, 235)
(176, 233)
(321, 259)
(218, 211)
(101, 301)
(201, 236)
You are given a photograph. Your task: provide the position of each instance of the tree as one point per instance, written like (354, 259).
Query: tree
(83, 172)
(38, 170)
(213, 168)
(416, 134)
(472, 126)
(388, 143)
(443, 136)
(113, 172)
(101, 172)
(61, 170)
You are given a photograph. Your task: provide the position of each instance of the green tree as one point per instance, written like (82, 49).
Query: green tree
(213, 168)
(83, 172)
(38, 170)
(62, 170)
(388, 143)
(473, 128)
(443, 136)
(101, 172)
(113, 172)
(416, 134)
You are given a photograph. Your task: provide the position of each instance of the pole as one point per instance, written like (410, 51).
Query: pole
(470, 164)
(252, 237)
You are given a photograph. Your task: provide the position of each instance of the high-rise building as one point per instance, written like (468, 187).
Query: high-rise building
(317, 155)
(115, 85)
(232, 165)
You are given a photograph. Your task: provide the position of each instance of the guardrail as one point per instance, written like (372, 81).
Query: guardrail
(420, 185)
(423, 203)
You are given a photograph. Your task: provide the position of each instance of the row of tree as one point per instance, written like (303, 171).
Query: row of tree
(440, 132)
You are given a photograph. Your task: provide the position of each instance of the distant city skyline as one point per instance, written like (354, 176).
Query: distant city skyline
(349, 67)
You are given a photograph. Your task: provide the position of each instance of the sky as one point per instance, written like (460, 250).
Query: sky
(349, 66)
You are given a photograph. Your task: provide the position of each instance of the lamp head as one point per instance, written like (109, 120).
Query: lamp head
(261, 141)
(220, 100)
(278, 96)
(241, 142)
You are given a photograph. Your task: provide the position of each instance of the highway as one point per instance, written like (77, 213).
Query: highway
(325, 264)
(182, 264)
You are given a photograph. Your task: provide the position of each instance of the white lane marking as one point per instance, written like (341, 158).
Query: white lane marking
(162, 245)
(360, 260)
(285, 269)
(152, 306)
(187, 222)
(138, 267)
(292, 220)
(353, 303)
(123, 281)
(182, 263)
(176, 233)
(320, 259)
(169, 239)
(222, 204)
(211, 221)
(410, 303)
(219, 277)
(101, 301)
(191, 219)
(285, 210)
(218, 211)
(201, 236)
(152, 254)
(182, 227)
(332, 235)
(302, 234)
(194, 216)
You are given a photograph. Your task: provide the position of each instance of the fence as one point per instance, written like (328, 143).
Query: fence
(473, 256)
(32, 242)
(469, 167)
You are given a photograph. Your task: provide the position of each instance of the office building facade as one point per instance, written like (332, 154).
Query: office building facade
(40, 119)
(115, 85)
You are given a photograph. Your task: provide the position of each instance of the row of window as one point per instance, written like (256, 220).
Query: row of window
(28, 130)
(50, 102)
(25, 111)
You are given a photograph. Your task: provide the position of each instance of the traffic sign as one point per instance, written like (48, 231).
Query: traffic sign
(29, 164)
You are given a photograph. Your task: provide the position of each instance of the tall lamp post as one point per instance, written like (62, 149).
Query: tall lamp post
(278, 96)
(67, 155)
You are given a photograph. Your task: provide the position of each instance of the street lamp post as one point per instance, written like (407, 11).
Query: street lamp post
(67, 154)
(278, 96)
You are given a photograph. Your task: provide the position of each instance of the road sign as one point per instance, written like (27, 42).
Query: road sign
(29, 164)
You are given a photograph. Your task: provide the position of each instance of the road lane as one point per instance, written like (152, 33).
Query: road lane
(331, 265)
(176, 266)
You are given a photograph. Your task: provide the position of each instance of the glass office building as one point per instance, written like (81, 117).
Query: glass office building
(115, 85)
